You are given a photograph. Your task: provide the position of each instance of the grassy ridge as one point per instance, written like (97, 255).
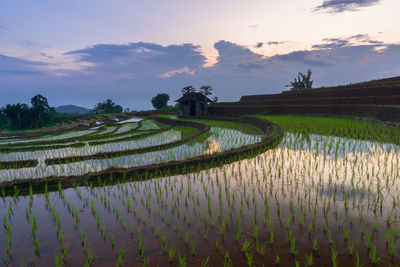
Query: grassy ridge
(342, 127)
(244, 128)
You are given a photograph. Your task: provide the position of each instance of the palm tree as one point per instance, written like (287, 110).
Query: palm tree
(39, 106)
(188, 89)
(15, 114)
(206, 89)
(302, 82)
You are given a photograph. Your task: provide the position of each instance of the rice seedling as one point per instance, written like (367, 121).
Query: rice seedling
(277, 259)
(206, 261)
(171, 254)
(261, 248)
(350, 249)
(315, 245)
(293, 246)
(334, 256)
(182, 261)
(372, 255)
(120, 256)
(309, 259)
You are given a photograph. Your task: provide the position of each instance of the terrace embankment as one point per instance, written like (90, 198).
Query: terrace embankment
(204, 128)
(18, 164)
(94, 138)
(375, 100)
(272, 136)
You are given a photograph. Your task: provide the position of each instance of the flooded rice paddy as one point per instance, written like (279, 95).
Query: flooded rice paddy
(314, 200)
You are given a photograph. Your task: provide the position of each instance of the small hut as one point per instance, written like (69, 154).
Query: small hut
(193, 104)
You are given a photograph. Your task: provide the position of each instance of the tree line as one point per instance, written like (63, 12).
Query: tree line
(107, 106)
(22, 116)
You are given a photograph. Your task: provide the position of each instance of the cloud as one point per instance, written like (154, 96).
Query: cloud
(359, 39)
(13, 66)
(310, 58)
(141, 60)
(333, 61)
(233, 59)
(178, 71)
(274, 43)
(254, 27)
(46, 56)
(339, 6)
(132, 74)
(261, 44)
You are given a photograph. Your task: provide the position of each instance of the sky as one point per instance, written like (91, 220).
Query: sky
(82, 52)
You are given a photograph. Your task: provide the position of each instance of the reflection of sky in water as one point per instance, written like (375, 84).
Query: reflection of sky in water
(226, 139)
(50, 138)
(134, 119)
(341, 161)
(335, 146)
(41, 155)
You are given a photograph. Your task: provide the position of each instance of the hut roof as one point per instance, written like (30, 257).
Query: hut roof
(194, 96)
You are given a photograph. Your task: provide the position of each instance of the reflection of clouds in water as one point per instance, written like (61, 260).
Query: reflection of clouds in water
(158, 139)
(221, 139)
(336, 146)
(212, 146)
(348, 161)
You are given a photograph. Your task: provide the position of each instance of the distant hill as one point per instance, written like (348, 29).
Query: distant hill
(71, 109)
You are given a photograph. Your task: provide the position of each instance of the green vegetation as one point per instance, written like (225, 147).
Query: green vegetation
(302, 82)
(17, 117)
(342, 127)
(206, 90)
(242, 127)
(160, 101)
(107, 106)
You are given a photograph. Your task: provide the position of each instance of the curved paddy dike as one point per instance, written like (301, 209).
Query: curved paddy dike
(18, 164)
(204, 128)
(37, 148)
(96, 135)
(272, 135)
(43, 143)
(145, 133)
(62, 144)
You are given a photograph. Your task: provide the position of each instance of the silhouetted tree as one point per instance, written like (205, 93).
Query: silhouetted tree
(206, 90)
(17, 114)
(188, 89)
(39, 106)
(107, 106)
(302, 82)
(160, 101)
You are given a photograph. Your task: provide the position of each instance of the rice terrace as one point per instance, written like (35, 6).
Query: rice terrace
(132, 189)
(200, 133)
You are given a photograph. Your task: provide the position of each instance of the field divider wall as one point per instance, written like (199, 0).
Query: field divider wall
(18, 164)
(383, 114)
(204, 128)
